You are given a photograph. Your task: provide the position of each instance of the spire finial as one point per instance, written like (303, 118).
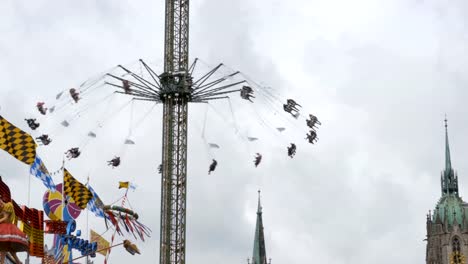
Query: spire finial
(259, 208)
(445, 120)
(448, 162)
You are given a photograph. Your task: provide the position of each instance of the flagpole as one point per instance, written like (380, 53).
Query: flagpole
(63, 183)
(87, 221)
(115, 231)
(70, 261)
(29, 189)
(63, 192)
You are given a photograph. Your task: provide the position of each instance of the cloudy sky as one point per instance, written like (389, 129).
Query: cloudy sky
(380, 75)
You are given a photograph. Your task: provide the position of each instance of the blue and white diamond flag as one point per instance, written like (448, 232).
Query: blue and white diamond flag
(95, 205)
(39, 170)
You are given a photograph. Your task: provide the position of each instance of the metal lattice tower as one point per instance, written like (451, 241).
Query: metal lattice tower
(175, 95)
(174, 88)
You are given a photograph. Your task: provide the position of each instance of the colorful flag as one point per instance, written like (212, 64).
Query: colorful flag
(124, 185)
(17, 142)
(95, 205)
(39, 170)
(76, 190)
(101, 243)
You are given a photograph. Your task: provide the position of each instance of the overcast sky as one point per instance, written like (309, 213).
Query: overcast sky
(380, 75)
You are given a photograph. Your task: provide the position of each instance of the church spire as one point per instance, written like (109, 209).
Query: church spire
(259, 251)
(449, 178)
(448, 162)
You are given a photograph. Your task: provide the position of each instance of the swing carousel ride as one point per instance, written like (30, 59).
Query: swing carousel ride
(266, 117)
(247, 100)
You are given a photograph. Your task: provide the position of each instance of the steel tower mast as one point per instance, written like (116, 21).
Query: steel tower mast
(176, 89)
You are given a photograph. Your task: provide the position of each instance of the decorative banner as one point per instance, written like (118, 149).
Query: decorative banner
(76, 190)
(127, 219)
(73, 242)
(32, 225)
(55, 227)
(95, 205)
(101, 243)
(39, 170)
(17, 142)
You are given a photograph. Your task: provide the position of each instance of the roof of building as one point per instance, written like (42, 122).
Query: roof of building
(450, 206)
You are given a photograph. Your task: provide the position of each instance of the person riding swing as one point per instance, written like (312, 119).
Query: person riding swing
(44, 139)
(73, 153)
(213, 165)
(115, 162)
(291, 108)
(258, 159)
(75, 95)
(312, 121)
(292, 150)
(32, 123)
(126, 86)
(312, 137)
(246, 93)
(41, 108)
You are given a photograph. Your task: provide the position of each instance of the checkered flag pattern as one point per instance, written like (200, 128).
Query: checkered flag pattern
(76, 190)
(95, 205)
(39, 170)
(17, 142)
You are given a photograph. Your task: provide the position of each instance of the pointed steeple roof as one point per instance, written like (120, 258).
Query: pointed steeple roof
(449, 178)
(448, 162)
(259, 251)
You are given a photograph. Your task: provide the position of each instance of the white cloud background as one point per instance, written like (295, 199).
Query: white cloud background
(379, 75)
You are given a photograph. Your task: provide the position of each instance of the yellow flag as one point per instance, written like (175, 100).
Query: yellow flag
(124, 185)
(17, 142)
(76, 190)
(101, 243)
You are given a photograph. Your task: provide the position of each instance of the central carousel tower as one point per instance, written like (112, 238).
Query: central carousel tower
(447, 226)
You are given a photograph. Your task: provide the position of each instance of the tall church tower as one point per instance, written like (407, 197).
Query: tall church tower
(259, 250)
(447, 226)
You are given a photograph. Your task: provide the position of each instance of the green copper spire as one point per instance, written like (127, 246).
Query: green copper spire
(449, 179)
(259, 252)
(448, 162)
